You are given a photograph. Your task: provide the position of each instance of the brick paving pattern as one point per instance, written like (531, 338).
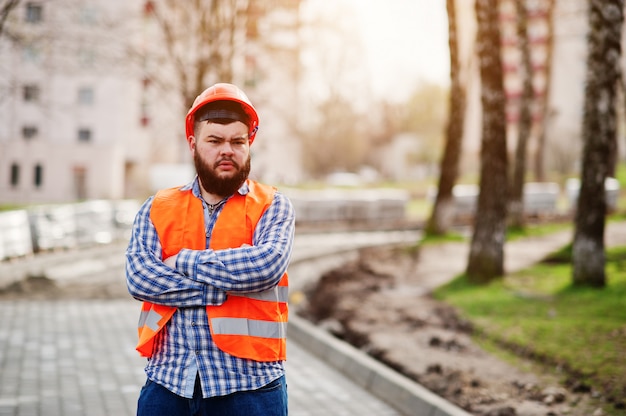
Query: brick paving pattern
(77, 358)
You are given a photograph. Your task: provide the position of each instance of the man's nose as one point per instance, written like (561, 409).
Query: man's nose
(226, 147)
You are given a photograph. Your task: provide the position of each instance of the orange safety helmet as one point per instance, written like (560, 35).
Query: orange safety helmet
(223, 92)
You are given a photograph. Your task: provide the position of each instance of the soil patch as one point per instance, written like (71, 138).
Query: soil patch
(381, 304)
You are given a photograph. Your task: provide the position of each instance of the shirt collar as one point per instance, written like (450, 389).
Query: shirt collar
(195, 188)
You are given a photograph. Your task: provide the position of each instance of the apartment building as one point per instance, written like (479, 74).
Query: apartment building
(70, 114)
(79, 119)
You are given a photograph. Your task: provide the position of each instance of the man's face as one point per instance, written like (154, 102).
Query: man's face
(221, 154)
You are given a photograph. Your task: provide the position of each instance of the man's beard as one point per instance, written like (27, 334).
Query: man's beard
(215, 185)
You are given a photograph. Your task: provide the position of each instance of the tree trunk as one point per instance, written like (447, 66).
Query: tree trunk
(599, 128)
(516, 202)
(539, 168)
(486, 258)
(443, 210)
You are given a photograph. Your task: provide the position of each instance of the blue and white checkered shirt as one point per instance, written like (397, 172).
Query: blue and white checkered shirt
(185, 348)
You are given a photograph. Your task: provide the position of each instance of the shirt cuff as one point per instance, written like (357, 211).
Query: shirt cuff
(187, 264)
(187, 261)
(213, 296)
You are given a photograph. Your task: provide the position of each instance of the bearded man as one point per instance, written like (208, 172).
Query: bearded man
(208, 261)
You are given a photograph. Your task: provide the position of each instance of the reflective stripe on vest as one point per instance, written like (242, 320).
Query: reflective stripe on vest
(246, 325)
(150, 319)
(277, 294)
(242, 326)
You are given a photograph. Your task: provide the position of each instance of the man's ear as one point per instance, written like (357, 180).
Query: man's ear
(191, 140)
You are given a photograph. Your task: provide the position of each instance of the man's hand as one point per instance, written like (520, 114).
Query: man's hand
(171, 261)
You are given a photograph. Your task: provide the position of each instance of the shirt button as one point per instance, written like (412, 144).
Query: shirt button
(193, 323)
(208, 234)
(197, 352)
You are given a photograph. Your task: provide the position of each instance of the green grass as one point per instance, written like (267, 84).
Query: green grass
(450, 237)
(536, 230)
(10, 207)
(538, 311)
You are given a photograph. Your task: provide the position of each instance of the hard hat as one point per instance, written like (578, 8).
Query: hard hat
(223, 92)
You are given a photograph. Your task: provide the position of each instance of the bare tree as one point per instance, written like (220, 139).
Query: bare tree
(516, 202)
(441, 215)
(486, 257)
(196, 41)
(606, 18)
(6, 7)
(337, 143)
(334, 134)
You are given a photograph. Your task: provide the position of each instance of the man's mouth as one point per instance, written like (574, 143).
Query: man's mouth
(226, 164)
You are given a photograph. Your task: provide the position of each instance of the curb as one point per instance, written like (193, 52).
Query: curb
(399, 391)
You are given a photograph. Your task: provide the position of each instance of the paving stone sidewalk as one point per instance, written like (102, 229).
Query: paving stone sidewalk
(77, 358)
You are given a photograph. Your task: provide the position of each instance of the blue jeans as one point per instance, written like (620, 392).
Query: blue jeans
(269, 400)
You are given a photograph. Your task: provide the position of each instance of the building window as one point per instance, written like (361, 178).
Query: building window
(84, 135)
(31, 93)
(34, 12)
(80, 182)
(15, 174)
(30, 132)
(38, 175)
(85, 96)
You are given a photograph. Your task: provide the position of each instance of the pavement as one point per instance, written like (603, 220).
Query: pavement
(76, 357)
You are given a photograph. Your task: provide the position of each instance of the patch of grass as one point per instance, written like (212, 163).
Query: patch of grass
(536, 230)
(10, 207)
(418, 209)
(617, 216)
(445, 238)
(563, 256)
(620, 174)
(539, 313)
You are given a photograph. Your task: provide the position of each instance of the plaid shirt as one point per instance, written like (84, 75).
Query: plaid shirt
(202, 277)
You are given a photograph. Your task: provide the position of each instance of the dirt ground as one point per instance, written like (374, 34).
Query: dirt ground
(381, 304)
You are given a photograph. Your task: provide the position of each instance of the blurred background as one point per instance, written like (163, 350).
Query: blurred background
(93, 93)
(351, 95)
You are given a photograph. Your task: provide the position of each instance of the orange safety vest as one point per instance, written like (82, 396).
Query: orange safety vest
(250, 325)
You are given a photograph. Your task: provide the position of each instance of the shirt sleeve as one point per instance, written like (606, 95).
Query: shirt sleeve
(148, 278)
(252, 268)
